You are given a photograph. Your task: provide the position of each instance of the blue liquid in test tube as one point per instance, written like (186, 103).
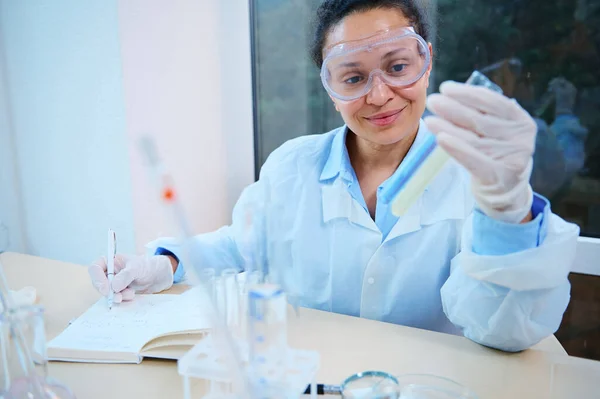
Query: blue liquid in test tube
(421, 167)
(267, 335)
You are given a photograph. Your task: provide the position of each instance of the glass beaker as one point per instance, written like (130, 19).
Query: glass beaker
(22, 329)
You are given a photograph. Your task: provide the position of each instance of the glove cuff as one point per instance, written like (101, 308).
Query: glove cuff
(513, 214)
(163, 278)
(510, 206)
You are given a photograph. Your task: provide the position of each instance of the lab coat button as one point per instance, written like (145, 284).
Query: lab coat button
(370, 280)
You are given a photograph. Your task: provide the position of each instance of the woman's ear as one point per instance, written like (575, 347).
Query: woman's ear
(428, 73)
(334, 104)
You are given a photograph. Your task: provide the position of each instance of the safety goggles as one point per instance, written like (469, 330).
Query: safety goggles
(399, 57)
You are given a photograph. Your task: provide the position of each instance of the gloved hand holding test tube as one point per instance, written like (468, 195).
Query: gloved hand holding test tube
(423, 165)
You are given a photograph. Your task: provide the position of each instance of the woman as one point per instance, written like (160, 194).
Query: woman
(477, 254)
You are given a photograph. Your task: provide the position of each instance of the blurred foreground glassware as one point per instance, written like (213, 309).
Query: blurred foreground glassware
(20, 379)
(427, 386)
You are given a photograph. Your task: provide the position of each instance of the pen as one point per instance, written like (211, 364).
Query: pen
(110, 264)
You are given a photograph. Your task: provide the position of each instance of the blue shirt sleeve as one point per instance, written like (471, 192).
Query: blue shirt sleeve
(494, 237)
(179, 272)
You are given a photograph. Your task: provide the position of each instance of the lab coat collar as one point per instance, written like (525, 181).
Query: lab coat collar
(411, 221)
(338, 161)
(422, 134)
(337, 203)
(337, 174)
(442, 199)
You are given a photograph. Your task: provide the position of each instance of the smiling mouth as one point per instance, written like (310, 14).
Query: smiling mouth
(385, 118)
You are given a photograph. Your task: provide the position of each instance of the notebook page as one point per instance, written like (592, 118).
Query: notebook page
(127, 326)
(190, 312)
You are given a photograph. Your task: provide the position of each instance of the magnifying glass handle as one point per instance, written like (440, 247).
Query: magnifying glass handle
(324, 389)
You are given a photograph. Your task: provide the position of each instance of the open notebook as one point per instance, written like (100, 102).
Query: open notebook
(160, 326)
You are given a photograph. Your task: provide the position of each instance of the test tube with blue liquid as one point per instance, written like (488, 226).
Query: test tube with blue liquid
(267, 335)
(423, 165)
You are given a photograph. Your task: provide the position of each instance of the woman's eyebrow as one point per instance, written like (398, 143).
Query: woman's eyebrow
(353, 64)
(394, 52)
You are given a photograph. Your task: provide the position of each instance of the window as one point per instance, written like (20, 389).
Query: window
(290, 100)
(544, 54)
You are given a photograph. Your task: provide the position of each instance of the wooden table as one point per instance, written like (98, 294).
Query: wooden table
(346, 344)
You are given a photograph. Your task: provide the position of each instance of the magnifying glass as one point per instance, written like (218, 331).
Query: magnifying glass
(371, 385)
(363, 385)
(382, 385)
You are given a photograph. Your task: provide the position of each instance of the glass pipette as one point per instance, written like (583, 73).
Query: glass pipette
(169, 196)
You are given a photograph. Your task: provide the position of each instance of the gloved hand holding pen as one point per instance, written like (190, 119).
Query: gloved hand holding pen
(493, 137)
(133, 274)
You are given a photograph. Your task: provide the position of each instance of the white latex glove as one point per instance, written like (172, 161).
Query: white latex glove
(494, 139)
(133, 274)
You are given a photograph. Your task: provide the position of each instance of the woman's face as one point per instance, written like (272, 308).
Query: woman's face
(386, 114)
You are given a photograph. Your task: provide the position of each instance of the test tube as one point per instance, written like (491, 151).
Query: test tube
(423, 165)
(220, 298)
(479, 79)
(254, 277)
(220, 291)
(207, 278)
(242, 289)
(231, 297)
(267, 329)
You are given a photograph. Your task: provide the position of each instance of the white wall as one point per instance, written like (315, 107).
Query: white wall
(86, 79)
(64, 89)
(12, 235)
(177, 88)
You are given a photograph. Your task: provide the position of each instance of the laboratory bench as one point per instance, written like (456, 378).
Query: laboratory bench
(346, 345)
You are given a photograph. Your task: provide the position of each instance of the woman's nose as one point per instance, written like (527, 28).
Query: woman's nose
(380, 93)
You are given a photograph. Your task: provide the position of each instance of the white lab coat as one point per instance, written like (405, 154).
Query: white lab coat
(423, 274)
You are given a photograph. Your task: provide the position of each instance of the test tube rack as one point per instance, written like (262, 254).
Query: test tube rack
(206, 361)
(203, 362)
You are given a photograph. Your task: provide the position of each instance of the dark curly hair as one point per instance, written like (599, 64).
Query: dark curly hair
(331, 12)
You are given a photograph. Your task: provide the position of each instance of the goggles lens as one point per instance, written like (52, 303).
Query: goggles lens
(349, 70)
